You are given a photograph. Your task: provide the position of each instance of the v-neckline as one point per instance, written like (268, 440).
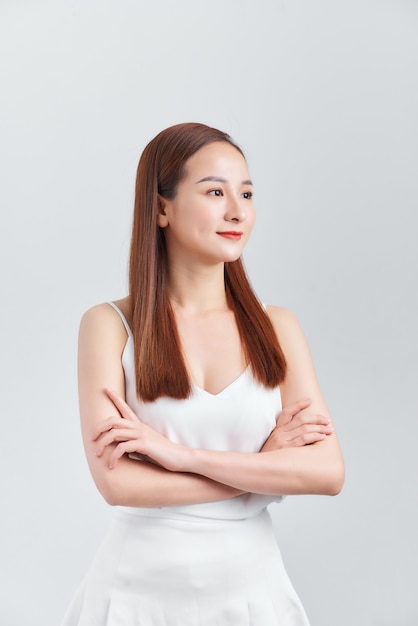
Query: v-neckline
(225, 389)
(193, 385)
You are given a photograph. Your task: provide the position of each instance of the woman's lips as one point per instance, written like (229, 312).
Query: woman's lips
(235, 235)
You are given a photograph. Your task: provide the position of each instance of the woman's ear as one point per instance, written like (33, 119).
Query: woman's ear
(162, 218)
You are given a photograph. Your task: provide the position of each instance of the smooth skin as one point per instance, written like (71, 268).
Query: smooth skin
(206, 224)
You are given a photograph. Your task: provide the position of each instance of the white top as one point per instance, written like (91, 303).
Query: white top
(239, 418)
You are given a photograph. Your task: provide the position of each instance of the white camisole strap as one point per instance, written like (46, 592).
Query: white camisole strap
(122, 317)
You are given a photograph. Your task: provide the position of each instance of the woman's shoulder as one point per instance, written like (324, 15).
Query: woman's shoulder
(280, 316)
(285, 324)
(102, 318)
(288, 331)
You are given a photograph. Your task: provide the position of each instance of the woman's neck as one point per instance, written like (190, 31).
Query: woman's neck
(197, 290)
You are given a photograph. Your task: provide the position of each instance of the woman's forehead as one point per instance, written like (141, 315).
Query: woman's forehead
(217, 160)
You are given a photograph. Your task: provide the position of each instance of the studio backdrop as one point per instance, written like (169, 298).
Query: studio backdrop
(323, 98)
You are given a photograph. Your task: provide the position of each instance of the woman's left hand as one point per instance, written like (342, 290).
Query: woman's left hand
(296, 428)
(132, 436)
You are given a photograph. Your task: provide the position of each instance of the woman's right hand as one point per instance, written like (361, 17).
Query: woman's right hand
(296, 427)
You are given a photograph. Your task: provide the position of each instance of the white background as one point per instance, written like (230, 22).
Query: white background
(323, 97)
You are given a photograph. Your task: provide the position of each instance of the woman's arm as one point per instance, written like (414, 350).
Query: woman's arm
(314, 469)
(102, 338)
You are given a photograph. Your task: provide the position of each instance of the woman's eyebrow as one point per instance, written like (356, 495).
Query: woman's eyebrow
(219, 179)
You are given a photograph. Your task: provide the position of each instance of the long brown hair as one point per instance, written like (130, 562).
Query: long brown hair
(160, 368)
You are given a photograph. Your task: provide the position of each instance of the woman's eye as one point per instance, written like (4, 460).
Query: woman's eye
(247, 195)
(216, 192)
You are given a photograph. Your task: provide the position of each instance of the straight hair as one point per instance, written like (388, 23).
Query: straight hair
(160, 368)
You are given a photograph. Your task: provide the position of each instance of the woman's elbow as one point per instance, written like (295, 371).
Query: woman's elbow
(120, 487)
(110, 496)
(107, 490)
(335, 480)
(108, 485)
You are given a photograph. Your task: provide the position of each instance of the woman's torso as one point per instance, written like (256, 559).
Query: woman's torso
(238, 418)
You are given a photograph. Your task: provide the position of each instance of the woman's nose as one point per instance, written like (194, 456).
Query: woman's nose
(235, 211)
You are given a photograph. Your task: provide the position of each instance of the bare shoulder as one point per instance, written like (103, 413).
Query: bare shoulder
(290, 335)
(279, 313)
(102, 323)
(283, 320)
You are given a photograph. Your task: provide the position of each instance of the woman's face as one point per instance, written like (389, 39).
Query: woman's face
(212, 214)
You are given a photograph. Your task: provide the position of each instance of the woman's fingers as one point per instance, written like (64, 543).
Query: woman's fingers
(109, 424)
(130, 448)
(306, 431)
(123, 408)
(313, 419)
(115, 435)
(306, 439)
(301, 431)
(125, 447)
(291, 410)
(130, 435)
(125, 419)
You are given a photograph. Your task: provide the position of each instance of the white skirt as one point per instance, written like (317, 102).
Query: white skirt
(156, 571)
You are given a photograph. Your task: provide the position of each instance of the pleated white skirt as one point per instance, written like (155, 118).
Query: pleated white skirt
(159, 571)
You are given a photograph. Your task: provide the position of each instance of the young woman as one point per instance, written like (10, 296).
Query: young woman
(181, 391)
